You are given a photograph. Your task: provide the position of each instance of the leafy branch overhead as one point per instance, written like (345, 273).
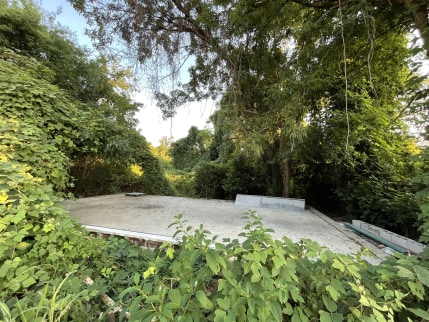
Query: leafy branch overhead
(218, 34)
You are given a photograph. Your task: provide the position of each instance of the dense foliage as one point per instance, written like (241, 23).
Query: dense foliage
(45, 130)
(314, 94)
(257, 278)
(99, 113)
(286, 124)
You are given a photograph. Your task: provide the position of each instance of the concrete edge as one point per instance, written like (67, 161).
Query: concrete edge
(143, 239)
(379, 253)
(398, 240)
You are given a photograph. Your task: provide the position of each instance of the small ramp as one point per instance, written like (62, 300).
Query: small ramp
(269, 202)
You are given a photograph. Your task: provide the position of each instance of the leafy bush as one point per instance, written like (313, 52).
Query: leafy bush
(209, 180)
(182, 182)
(94, 176)
(423, 195)
(43, 252)
(153, 179)
(377, 202)
(244, 176)
(38, 123)
(40, 244)
(262, 279)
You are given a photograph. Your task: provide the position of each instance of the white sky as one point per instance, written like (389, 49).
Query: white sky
(151, 125)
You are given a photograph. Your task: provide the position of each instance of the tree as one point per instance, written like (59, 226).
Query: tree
(162, 152)
(192, 149)
(98, 81)
(238, 47)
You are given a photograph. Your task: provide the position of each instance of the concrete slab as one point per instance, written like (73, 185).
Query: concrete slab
(153, 214)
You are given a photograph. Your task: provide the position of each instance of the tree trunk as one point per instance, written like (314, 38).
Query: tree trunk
(287, 166)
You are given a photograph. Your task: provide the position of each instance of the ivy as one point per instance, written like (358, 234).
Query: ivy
(37, 121)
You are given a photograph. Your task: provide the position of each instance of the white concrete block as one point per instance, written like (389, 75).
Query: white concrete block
(415, 246)
(386, 235)
(268, 202)
(273, 202)
(399, 240)
(356, 223)
(248, 200)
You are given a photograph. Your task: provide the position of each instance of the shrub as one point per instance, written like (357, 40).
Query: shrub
(209, 180)
(262, 279)
(182, 182)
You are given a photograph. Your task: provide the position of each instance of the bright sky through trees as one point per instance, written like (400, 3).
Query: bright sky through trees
(151, 124)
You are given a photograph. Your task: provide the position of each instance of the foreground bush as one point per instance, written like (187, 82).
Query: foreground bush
(261, 279)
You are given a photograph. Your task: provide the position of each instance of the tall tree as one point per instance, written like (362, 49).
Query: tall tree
(192, 149)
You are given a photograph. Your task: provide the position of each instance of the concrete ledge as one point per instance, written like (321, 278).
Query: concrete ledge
(145, 240)
(404, 242)
(268, 202)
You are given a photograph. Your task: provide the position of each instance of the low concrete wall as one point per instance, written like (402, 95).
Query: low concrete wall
(150, 241)
(389, 236)
(268, 202)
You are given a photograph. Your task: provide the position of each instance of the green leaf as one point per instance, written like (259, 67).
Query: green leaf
(167, 310)
(403, 272)
(224, 303)
(338, 265)
(203, 299)
(14, 285)
(251, 304)
(4, 310)
(276, 311)
(150, 271)
(333, 292)
(211, 259)
(28, 282)
(220, 316)
(288, 309)
(329, 303)
(417, 289)
(195, 254)
(337, 317)
(5, 268)
(170, 252)
(136, 278)
(422, 274)
(325, 316)
(379, 316)
(420, 313)
(175, 296)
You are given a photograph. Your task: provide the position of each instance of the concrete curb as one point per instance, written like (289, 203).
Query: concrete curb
(379, 253)
(395, 239)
